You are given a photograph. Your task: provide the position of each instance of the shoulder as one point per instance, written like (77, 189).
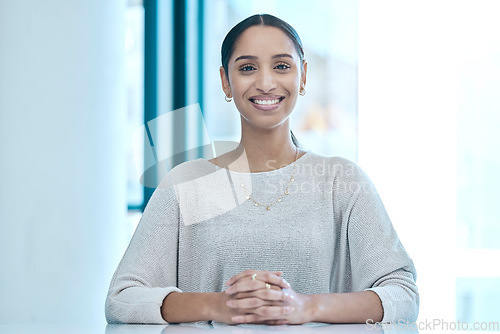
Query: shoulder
(330, 159)
(183, 172)
(347, 178)
(187, 167)
(337, 166)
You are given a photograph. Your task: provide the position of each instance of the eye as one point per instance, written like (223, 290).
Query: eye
(247, 68)
(282, 66)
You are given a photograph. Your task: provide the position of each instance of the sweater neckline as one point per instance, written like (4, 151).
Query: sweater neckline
(270, 172)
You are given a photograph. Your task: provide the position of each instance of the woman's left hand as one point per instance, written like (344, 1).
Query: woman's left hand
(261, 305)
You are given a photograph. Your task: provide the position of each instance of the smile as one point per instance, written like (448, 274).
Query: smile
(266, 102)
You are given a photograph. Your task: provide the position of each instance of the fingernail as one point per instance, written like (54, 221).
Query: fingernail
(289, 309)
(229, 303)
(237, 318)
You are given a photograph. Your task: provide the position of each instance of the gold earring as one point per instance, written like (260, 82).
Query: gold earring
(227, 98)
(302, 91)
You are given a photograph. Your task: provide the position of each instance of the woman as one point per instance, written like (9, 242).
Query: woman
(219, 237)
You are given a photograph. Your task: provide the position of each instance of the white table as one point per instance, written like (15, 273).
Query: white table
(194, 328)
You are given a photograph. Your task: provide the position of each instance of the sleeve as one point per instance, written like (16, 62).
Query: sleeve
(379, 262)
(147, 272)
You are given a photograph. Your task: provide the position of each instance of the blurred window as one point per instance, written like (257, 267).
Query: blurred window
(478, 164)
(134, 48)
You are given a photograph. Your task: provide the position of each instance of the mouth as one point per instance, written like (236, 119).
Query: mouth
(266, 103)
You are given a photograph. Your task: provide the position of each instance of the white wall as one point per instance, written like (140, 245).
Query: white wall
(62, 157)
(407, 133)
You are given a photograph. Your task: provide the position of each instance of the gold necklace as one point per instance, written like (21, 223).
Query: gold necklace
(286, 192)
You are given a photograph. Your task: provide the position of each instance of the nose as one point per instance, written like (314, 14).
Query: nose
(265, 81)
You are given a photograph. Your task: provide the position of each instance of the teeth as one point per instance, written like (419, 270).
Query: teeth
(266, 101)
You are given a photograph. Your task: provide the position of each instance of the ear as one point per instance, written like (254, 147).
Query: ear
(303, 74)
(225, 82)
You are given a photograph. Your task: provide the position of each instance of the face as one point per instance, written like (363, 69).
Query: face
(264, 76)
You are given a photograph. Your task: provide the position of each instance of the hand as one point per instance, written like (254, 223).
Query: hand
(262, 294)
(223, 312)
(257, 304)
(259, 274)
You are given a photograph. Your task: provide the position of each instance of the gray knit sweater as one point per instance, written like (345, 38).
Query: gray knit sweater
(331, 233)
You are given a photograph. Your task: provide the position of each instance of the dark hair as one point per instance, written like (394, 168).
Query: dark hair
(232, 36)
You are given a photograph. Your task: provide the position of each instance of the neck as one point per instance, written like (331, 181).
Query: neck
(266, 151)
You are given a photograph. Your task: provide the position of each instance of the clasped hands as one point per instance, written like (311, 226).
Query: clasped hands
(263, 297)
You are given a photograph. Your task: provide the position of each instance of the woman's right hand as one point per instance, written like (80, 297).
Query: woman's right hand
(258, 296)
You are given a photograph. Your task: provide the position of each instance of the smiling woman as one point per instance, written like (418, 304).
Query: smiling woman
(216, 240)
(263, 70)
(264, 73)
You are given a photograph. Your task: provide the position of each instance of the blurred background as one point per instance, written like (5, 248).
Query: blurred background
(99, 99)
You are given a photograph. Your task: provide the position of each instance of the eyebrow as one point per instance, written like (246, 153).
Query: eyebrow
(281, 55)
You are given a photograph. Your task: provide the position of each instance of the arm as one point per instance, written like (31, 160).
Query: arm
(352, 307)
(198, 306)
(356, 307)
(190, 306)
(148, 270)
(378, 261)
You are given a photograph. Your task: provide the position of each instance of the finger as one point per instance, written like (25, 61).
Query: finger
(248, 318)
(263, 287)
(273, 312)
(259, 298)
(263, 303)
(249, 304)
(247, 285)
(250, 286)
(274, 322)
(246, 303)
(266, 277)
(247, 294)
(242, 274)
(248, 272)
(271, 278)
(268, 314)
(265, 294)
